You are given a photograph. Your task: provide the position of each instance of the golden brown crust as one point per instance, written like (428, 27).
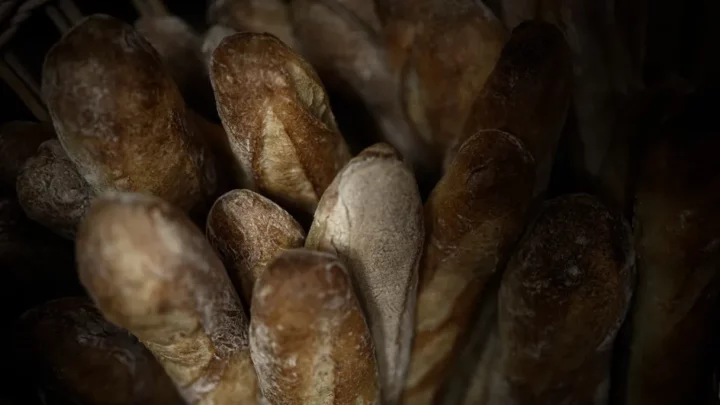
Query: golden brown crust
(563, 298)
(151, 271)
(248, 231)
(677, 239)
(19, 140)
(120, 116)
(81, 357)
(528, 92)
(444, 52)
(310, 342)
(260, 16)
(51, 191)
(472, 218)
(278, 118)
(371, 217)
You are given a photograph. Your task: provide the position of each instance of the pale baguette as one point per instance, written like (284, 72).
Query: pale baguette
(371, 217)
(309, 339)
(151, 271)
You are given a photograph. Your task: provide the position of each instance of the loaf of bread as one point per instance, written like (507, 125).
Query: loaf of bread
(19, 140)
(278, 119)
(472, 218)
(180, 49)
(444, 52)
(371, 217)
(51, 191)
(309, 339)
(247, 230)
(152, 272)
(528, 93)
(563, 298)
(75, 355)
(120, 116)
(270, 16)
(677, 237)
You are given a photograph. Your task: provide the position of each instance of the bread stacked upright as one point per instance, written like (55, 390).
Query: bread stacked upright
(236, 249)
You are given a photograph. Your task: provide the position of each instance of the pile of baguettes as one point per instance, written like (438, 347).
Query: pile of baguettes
(323, 278)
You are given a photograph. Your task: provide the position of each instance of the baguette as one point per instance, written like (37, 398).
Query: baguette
(247, 230)
(371, 217)
(278, 119)
(120, 117)
(271, 16)
(309, 340)
(528, 93)
(562, 300)
(77, 356)
(180, 49)
(152, 272)
(52, 192)
(19, 140)
(444, 52)
(472, 218)
(677, 237)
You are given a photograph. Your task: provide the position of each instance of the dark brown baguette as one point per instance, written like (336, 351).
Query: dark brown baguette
(563, 298)
(75, 355)
(674, 329)
(309, 339)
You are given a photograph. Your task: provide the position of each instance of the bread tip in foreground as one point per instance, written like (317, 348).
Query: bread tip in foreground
(151, 271)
